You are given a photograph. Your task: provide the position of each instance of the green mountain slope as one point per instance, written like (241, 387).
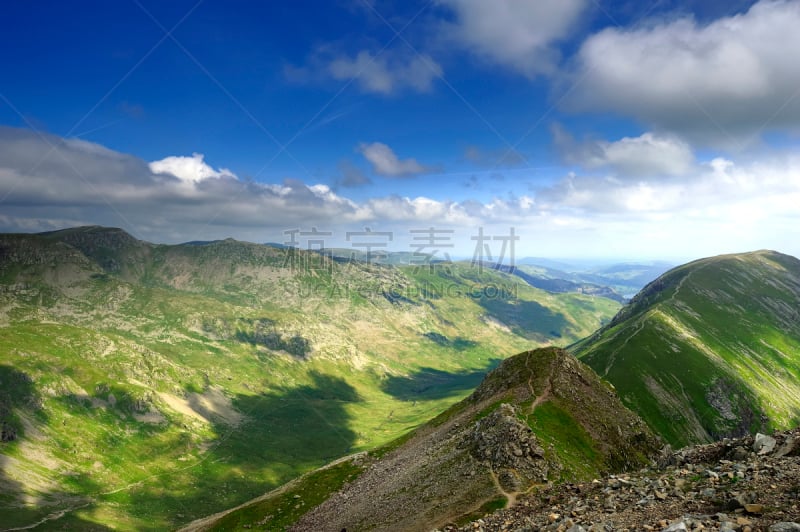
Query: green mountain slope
(540, 417)
(142, 385)
(708, 350)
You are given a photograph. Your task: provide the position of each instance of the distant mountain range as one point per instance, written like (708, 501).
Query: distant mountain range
(143, 386)
(617, 281)
(222, 369)
(708, 350)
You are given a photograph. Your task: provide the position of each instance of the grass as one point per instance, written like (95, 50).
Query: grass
(718, 328)
(574, 448)
(490, 506)
(281, 510)
(184, 320)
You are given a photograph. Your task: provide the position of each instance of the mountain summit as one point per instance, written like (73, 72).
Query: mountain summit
(541, 416)
(708, 350)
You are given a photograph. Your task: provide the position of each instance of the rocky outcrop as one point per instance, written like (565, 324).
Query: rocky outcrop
(539, 418)
(508, 446)
(735, 485)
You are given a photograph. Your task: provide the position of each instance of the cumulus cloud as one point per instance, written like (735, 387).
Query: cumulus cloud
(386, 163)
(647, 156)
(721, 82)
(518, 34)
(723, 205)
(49, 178)
(386, 73)
(190, 169)
(47, 182)
(717, 186)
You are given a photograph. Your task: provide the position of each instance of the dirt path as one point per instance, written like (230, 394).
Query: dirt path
(203, 522)
(613, 356)
(640, 325)
(52, 517)
(511, 496)
(539, 399)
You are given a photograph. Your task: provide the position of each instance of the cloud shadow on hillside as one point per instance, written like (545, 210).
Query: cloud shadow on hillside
(19, 397)
(526, 318)
(459, 343)
(288, 430)
(427, 384)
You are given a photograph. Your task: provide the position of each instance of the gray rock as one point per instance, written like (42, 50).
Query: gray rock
(785, 527)
(789, 447)
(741, 500)
(764, 444)
(739, 454)
(675, 527)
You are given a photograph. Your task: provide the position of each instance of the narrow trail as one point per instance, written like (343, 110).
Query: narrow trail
(680, 284)
(613, 356)
(52, 517)
(640, 324)
(199, 524)
(548, 388)
(511, 496)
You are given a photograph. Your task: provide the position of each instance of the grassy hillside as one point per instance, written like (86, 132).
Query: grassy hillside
(540, 417)
(710, 349)
(146, 385)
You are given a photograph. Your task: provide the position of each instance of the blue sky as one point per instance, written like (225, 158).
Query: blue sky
(596, 129)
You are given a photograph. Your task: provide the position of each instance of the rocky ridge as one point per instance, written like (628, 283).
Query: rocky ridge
(744, 485)
(492, 448)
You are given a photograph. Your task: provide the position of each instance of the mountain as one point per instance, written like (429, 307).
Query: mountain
(708, 350)
(616, 281)
(539, 417)
(559, 285)
(144, 385)
(632, 274)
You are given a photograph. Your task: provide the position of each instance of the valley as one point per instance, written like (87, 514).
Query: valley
(154, 386)
(148, 385)
(690, 361)
(419, 266)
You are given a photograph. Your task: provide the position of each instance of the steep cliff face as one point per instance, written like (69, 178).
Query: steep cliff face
(708, 350)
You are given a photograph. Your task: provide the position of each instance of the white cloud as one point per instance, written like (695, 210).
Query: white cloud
(718, 83)
(190, 169)
(85, 181)
(724, 205)
(387, 73)
(518, 34)
(647, 156)
(386, 163)
(718, 186)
